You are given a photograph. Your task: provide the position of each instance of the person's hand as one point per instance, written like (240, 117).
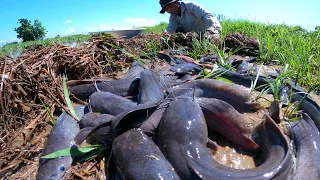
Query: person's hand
(210, 34)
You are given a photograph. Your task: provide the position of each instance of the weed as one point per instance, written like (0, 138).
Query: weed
(153, 47)
(48, 112)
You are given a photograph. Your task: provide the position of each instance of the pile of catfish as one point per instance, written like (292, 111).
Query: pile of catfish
(165, 123)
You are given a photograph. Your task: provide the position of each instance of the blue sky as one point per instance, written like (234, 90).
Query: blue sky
(65, 17)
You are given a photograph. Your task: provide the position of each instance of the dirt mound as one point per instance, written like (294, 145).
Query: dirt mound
(242, 45)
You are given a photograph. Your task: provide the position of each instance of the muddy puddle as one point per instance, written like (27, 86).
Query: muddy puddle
(231, 155)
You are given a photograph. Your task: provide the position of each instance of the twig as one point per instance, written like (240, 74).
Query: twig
(56, 100)
(79, 100)
(35, 120)
(6, 169)
(30, 126)
(77, 174)
(29, 161)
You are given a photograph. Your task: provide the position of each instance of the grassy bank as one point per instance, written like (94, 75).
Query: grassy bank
(280, 44)
(283, 45)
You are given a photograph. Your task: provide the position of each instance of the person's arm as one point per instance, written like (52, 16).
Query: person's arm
(172, 26)
(211, 23)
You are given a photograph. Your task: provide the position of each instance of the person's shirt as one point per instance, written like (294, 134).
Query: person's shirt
(194, 18)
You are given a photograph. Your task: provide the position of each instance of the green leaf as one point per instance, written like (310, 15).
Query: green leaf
(66, 96)
(91, 154)
(71, 152)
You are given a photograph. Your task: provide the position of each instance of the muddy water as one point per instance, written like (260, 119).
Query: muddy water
(232, 155)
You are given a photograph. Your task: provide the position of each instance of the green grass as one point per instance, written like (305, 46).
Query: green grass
(283, 44)
(15, 47)
(280, 44)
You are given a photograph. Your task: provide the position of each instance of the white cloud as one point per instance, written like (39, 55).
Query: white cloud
(68, 21)
(103, 27)
(141, 21)
(106, 27)
(91, 29)
(70, 31)
(128, 23)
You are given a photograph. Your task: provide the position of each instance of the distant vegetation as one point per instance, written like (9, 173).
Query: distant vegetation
(279, 44)
(157, 28)
(14, 47)
(28, 32)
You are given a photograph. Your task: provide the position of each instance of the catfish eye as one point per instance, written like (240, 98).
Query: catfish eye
(62, 168)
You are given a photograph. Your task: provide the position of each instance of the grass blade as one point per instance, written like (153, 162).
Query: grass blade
(48, 111)
(254, 84)
(71, 152)
(66, 96)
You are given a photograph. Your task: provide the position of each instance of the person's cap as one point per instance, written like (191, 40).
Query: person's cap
(164, 3)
